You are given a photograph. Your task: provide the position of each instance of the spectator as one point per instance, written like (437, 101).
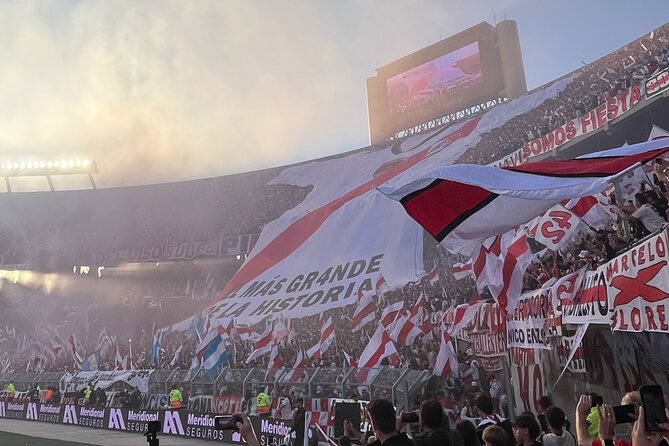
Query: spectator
(488, 418)
(495, 436)
(433, 431)
(286, 409)
(467, 432)
(385, 424)
(526, 430)
(644, 212)
(299, 418)
(558, 435)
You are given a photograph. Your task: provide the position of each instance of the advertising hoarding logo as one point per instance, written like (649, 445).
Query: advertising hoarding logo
(172, 424)
(70, 415)
(32, 411)
(116, 420)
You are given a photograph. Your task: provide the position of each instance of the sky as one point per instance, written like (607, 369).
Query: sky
(174, 90)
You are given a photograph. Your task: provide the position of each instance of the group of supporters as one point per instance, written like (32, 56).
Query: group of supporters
(594, 84)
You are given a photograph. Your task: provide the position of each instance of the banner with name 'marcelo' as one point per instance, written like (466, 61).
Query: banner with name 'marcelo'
(638, 287)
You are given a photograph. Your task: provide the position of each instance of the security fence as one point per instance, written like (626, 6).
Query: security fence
(203, 390)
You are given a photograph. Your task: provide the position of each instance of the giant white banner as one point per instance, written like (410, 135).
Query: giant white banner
(346, 235)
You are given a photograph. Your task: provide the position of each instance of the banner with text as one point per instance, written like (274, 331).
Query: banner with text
(587, 123)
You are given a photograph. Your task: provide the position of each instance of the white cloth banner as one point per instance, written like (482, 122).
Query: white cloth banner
(135, 378)
(526, 324)
(345, 233)
(638, 287)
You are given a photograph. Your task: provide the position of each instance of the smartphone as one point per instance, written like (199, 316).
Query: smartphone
(597, 400)
(652, 400)
(226, 422)
(625, 414)
(543, 422)
(410, 417)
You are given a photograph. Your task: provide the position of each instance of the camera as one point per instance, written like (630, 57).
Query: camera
(153, 427)
(227, 422)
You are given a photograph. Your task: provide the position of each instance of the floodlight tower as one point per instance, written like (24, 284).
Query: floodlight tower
(48, 169)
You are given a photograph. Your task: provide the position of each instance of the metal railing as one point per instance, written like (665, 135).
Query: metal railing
(402, 385)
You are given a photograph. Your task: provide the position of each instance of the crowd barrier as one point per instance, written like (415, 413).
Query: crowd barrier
(179, 423)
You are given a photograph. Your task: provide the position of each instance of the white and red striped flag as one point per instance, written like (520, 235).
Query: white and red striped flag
(462, 270)
(390, 313)
(446, 362)
(350, 360)
(464, 314)
(325, 341)
(381, 285)
(300, 363)
(380, 346)
(263, 345)
(405, 331)
(433, 277)
(517, 258)
(461, 205)
(407, 328)
(282, 331)
(276, 362)
(364, 313)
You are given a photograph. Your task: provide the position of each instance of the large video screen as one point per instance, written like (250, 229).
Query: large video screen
(435, 80)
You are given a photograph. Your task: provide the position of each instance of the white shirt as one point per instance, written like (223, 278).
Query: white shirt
(650, 218)
(286, 409)
(495, 388)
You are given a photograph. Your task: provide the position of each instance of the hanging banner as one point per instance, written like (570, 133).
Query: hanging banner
(590, 305)
(639, 287)
(135, 378)
(657, 84)
(587, 123)
(526, 324)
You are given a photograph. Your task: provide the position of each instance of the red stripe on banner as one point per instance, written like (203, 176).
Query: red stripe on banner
(444, 204)
(588, 167)
(583, 206)
(304, 227)
(515, 251)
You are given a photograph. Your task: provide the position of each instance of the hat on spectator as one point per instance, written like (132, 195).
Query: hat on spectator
(583, 254)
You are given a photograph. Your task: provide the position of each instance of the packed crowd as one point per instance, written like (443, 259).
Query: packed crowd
(593, 423)
(199, 209)
(101, 224)
(591, 249)
(593, 85)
